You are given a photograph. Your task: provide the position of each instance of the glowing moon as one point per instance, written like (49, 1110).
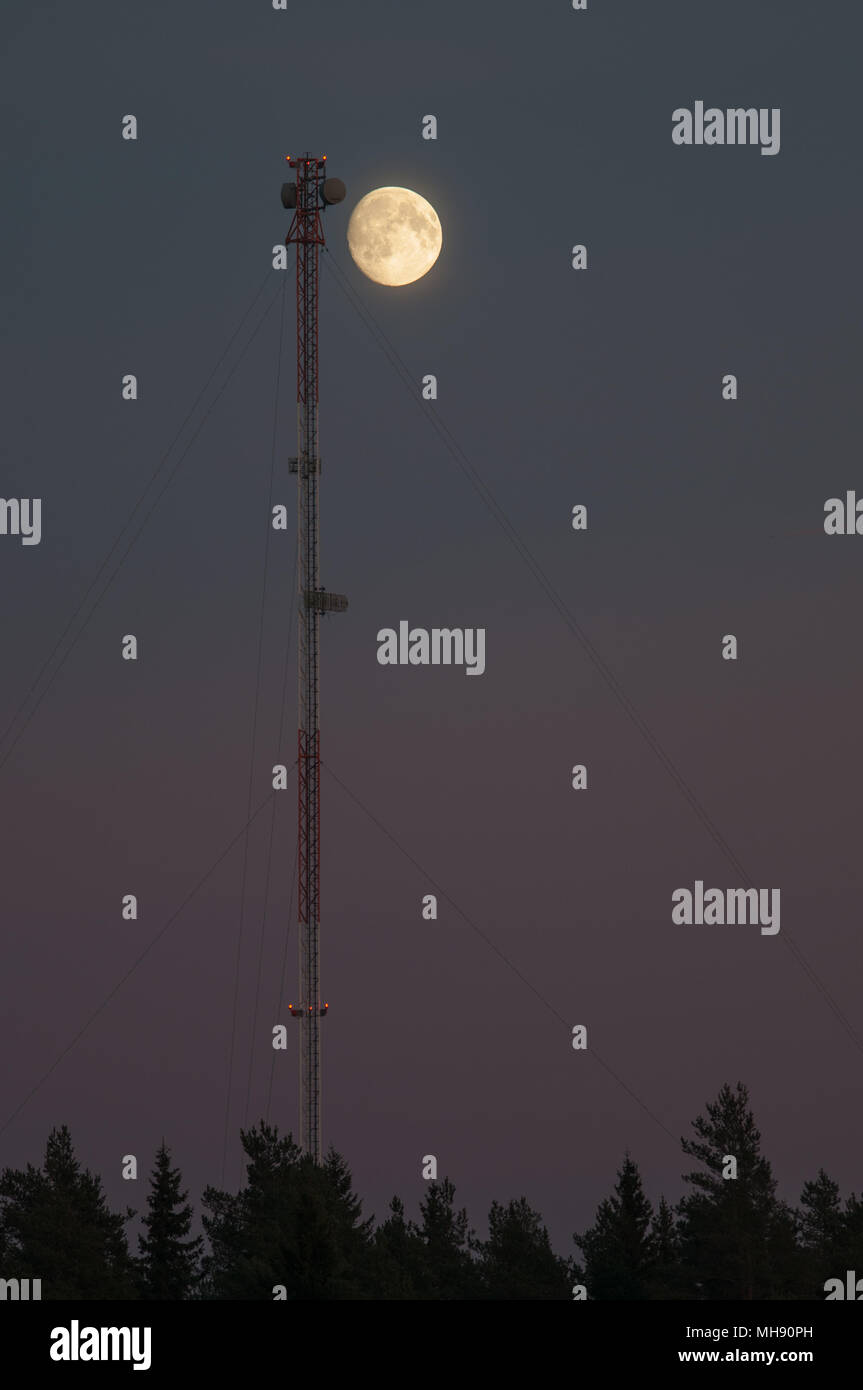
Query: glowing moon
(394, 236)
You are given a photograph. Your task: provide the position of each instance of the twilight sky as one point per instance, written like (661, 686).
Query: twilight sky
(561, 387)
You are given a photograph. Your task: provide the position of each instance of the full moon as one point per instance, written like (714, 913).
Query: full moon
(394, 236)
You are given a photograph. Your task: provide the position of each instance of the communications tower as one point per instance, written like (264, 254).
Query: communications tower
(308, 195)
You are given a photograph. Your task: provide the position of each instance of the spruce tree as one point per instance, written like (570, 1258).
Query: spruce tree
(665, 1281)
(351, 1272)
(619, 1248)
(168, 1265)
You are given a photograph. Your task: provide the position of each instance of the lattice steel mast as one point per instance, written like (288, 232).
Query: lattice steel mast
(308, 195)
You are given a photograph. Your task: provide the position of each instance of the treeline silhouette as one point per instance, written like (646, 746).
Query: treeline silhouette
(296, 1231)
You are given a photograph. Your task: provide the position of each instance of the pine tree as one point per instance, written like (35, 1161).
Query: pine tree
(398, 1257)
(58, 1228)
(619, 1248)
(517, 1261)
(448, 1266)
(248, 1231)
(168, 1267)
(296, 1224)
(852, 1242)
(738, 1239)
(822, 1232)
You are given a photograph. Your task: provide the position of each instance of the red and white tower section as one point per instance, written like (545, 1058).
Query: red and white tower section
(308, 195)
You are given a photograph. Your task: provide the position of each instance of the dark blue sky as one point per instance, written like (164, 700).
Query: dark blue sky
(601, 387)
